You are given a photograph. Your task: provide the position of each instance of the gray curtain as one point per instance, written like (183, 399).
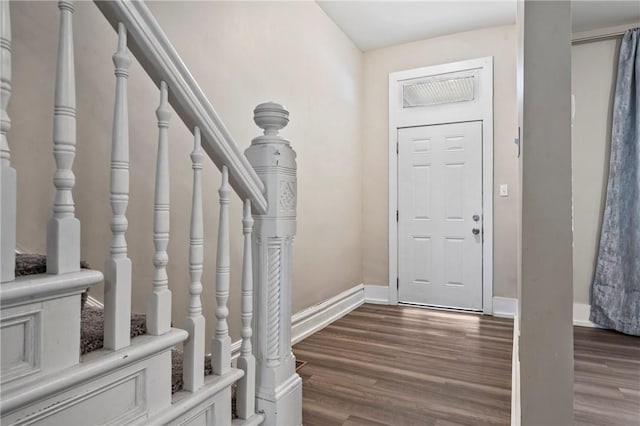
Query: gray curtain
(615, 291)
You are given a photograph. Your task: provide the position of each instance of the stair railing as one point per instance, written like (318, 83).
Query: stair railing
(265, 180)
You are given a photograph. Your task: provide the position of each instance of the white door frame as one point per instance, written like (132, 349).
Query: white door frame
(480, 108)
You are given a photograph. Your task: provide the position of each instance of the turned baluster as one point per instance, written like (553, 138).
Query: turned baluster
(245, 394)
(63, 230)
(117, 269)
(8, 183)
(221, 342)
(159, 305)
(193, 372)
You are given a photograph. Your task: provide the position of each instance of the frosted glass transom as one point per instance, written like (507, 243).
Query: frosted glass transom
(438, 90)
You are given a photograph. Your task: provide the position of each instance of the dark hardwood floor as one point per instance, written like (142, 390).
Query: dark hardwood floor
(384, 365)
(607, 377)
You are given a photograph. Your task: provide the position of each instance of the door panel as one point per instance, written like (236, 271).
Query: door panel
(439, 192)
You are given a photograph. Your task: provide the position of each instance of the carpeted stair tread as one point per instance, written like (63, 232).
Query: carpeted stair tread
(92, 335)
(32, 264)
(177, 358)
(92, 328)
(177, 383)
(92, 322)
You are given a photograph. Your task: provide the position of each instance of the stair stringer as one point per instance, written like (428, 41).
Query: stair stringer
(123, 387)
(40, 325)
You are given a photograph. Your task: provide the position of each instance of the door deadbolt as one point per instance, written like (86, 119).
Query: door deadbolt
(476, 218)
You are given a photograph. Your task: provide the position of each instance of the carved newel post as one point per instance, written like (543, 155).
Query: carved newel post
(278, 386)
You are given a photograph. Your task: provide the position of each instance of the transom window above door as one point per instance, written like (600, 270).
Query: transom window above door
(440, 89)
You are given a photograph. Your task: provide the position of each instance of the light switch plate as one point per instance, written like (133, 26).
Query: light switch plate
(504, 190)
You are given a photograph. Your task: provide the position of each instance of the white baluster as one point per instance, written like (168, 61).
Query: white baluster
(221, 342)
(8, 182)
(159, 306)
(117, 269)
(63, 230)
(245, 394)
(193, 372)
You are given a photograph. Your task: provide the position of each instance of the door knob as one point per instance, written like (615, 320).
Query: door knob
(475, 231)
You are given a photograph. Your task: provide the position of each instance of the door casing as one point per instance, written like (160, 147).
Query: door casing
(479, 109)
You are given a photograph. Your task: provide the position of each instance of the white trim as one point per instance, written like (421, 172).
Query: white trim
(581, 315)
(515, 369)
(35, 288)
(376, 294)
(315, 318)
(504, 307)
(94, 303)
(92, 366)
(478, 111)
(602, 33)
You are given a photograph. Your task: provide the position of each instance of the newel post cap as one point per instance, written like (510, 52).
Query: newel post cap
(271, 117)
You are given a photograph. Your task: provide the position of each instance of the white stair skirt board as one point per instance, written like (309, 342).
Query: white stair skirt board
(99, 387)
(376, 294)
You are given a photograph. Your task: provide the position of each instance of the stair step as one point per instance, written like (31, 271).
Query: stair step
(34, 288)
(254, 420)
(39, 315)
(95, 364)
(184, 402)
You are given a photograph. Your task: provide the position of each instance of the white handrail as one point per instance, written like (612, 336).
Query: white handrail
(150, 45)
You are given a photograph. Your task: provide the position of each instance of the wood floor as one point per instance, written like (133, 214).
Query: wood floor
(607, 377)
(384, 365)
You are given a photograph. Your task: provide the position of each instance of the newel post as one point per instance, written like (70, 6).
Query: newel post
(278, 386)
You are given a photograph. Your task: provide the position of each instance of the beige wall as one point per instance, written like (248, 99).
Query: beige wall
(498, 42)
(594, 68)
(241, 54)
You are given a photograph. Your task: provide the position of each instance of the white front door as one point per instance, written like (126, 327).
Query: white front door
(440, 215)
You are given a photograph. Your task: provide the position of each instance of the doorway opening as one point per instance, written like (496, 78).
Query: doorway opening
(441, 186)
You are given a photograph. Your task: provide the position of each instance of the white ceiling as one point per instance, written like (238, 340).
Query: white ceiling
(375, 24)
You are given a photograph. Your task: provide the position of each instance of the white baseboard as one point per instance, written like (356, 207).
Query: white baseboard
(581, 315)
(504, 307)
(309, 320)
(378, 294)
(315, 318)
(515, 370)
